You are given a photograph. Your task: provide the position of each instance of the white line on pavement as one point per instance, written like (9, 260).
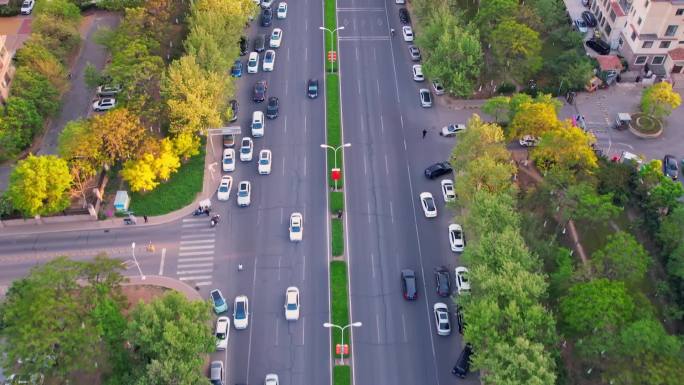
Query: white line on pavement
(288, 51)
(405, 149)
(304, 165)
(303, 329)
(375, 58)
(306, 25)
(403, 326)
(377, 83)
(303, 267)
(193, 224)
(196, 271)
(194, 277)
(339, 9)
(358, 83)
(369, 213)
(191, 265)
(377, 324)
(288, 54)
(372, 264)
(283, 163)
(285, 127)
(306, 54)
(203, 283)
(356, 49)
(195, 247)
(249, 345)
(185, 236)
(276, 328)
(401, 119)
(194, 219)
(281, 215)
(382, 123)
(183, 260)
(365, 168)
(190, 253)
(391, 212)
(161, 265)
(305, 126)
(363, 38)
(208, 240)
(386, 165)
(280, 259)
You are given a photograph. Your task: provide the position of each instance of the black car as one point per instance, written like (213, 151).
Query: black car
(243, 45)
(260, 88)
(260, 43)
(272, 108)
(443, 282)
(408, 284)
(459, 318)
(437, 170)
(266, 17)
(462, 366)
(404, 16)
(598, 45)
(414, 52)
(671, 167)
(590, 19)
(233, 110)
(312, 88)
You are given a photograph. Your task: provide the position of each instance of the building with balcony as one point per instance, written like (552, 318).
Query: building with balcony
(6, 68)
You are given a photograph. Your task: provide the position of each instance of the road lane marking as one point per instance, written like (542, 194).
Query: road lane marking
(191, 265)
(190, 253)
(306, 25)
(356, 49)
(288, 55)
(358, 83)
(196, 271)
(391, 212)
(363, 38)
(283, 163)
(303, 329)
(288, 59)
(405, 149)
(305, 125)
(276, 328)
(365, 167)
(303, 267)
(350, 9)
(281, 215)
(203, 283)
(182, 260)
(193, 224)
(386, 165)
(304, 165)
(195, 247)
(382, 123)
(161, 265)
(306, 54)
(285, 127)
(194, 277)
(369, 213)
(249, 346)
(377, 324)
(401, 119)
(208, 240)
(280, 259)
(377, 82)
(194, 219)
(375, 58)
(373, 264)
(403, 326)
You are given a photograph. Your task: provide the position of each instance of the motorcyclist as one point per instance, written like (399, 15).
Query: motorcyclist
(392, 31)
(215, 220)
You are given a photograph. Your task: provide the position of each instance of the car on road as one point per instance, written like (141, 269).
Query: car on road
(264, 162)
(228, 160)
(271, 379)
(671, 167)
(581, 26)
(448, 192)
(462, 282)
(107, 90)
(438, 169)
(223, 193)
(442, 323)
(590, 19)
(460, 322)
(292, 303)
(276, 38)
(408, 284)
(296, 227)
(598, 45)
(233, 110)
(241, 312)
(428, 204)
(220, 304)
(456, 238)
(462, 366)
(266, 3)
(244, 193)
(404, 16)
(281, 12)
(425, 98)
(452, 129)
(236, 69)
(259, 94)
(243, 45)
(257, 124)
(266, 17)
(104, 104)
(272, 107)
(246, 149)
(437, 87)
(228, 140)
(27, 7)
(312, 88)
(253, 63)
(222, 332)
(414, 52)
(528, 141)
(407, 32)
(417, 71)
(217, 373)
(443, 281)
(269, 60)
(260, 43)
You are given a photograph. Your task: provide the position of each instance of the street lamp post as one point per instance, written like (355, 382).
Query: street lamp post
(142, 276)
(335, 149)
(342, 329)
(332, 46)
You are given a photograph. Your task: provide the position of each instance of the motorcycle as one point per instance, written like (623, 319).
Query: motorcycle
(130, 220)
(201, 211)
(214, 220)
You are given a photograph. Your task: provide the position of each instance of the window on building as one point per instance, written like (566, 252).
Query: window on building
(647, 44)
(657, 60)
(612, 15)
(671, 30)
(646, 4)
(639, 21)
(608, 29)
(633, 35)
(665, 44)
(640, 60)
(680, 12)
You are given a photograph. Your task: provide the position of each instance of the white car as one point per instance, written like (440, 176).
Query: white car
(448, 190)
(418, 73)
(222, 333)
(581, 26)
(296, 227)
(428, 204)
(266, 3)
(407, 32)
(269, 61)
(276, 38)
(462, 282)
(452, 129)
(241, 312)
(399, 1)
(104, 104)
(271, 379)
(246, 149)
(228, 160)
(281, 12)
(292, 303)
(264, 162)
(244, 193)
(27, 7)
(528, 141)
(253, 63)
(258, 124)
(223, 193)
(456, 238)
(442, 319)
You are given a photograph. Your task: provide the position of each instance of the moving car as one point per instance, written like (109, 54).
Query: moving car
(241, 312)
(404, 16)
(414, 52)
(269, 60)
(253, 63)
(292, 303)
(228, 140)
(528, 141)
(312, 88)
(272, 107)
(407, 32)
(437, 87)
(246, 149)
(408, 284)
(462, 282)
(281, 12)
(428, 204)
(456, 238)
(244, 193)
(425, 98)
(581, 26)
(452, 129)
(271, 379)
(266, 17)
(442, 323)
(264, 162)
(462, 366)
(223, 193)
(296, 227)
(276, 38)
(107, 90)
(590, 19)
(27, 7)
(257, 124)
(219, 301)
(233, 110)
(437, 170)
(670, 167)
(443, 281)
(259, 94)
(228, 160)
(236, 69)
(417, 70)
(266, 3)
(104, 104)
(222, 332)
(217, 373)
(448, 191)
(598, 45)
(260, 43)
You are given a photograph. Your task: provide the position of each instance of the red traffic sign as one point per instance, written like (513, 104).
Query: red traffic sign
(342, 349)
(332, 56)
(335, 173)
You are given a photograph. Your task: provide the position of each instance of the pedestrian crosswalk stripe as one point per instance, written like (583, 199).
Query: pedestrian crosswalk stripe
(210, 240)
(195, 277)
(196, 224)
(205, 283)
(185, 266)
(195, 247)
(185, 236)
(182, 260)
(197, 219)
(200, 271)
(189, 253)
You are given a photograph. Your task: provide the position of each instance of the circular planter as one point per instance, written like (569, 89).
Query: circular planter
(645, 126)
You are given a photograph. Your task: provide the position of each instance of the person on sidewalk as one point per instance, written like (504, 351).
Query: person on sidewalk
(424, 133)
(145, 218)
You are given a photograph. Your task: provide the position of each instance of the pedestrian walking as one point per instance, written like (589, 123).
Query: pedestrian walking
(145, 218)
(424, 133)
(339, 214)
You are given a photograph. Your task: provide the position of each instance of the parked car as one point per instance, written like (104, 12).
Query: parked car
(108, 90)
(590, 19)
(27, 7)
(292, 303)
(414, 52)
(417, 71)
(260, 43)
(448, 192)
(462, 280)
(253, 63)
(228, 160)
(243, 45)
(276, 38)
(233, 110)
(228, 140)
(269, 60)
(438, 169)
(428, 204)
(222, 332)
(246, 149)
(404, 16)
(264, 167)
(266, 17)
(241, 312)
(462, 366)
(271, 379)
(528, 141)
(104, 104)
(236, 69)
(442, 322)
(456, 238)
(443, 282)
(219, 301)
(598, 45)
(257, 124)
(581, 26)
(437, 87)
(244, 193)
(452, 129)
(425, 98)
(266, 3)
(217, 373)
(671, 167)
(407, 32)
(281, 12)
(460, 322)
(296, 228)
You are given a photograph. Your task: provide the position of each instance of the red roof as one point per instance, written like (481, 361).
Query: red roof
(609, 62)
(677, 54)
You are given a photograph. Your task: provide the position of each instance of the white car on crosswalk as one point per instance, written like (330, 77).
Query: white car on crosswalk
(265, 162)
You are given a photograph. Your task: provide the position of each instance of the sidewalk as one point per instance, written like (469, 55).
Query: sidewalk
(169, 283)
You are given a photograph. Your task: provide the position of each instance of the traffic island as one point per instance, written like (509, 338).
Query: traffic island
(646, 126)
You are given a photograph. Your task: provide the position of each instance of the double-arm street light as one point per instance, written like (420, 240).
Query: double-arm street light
(335, 149)
(142, 276)
(332, 45)
(342, 329)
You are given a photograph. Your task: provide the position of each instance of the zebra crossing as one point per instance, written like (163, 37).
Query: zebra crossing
(196, 252)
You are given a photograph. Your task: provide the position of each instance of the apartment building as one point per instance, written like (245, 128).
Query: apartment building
(648, 33)
(6, 68)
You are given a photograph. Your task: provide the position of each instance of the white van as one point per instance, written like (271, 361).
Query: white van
(257, 124)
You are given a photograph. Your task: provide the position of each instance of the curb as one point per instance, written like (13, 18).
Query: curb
(166, 282)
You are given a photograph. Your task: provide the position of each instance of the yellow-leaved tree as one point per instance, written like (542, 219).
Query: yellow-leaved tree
(534, 118)
(186, 144)
(566, 148)
(167, 161)
(140, 173)
(659, 100)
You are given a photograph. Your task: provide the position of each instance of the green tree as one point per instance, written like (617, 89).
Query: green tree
(534, 119)
(61, 38)
(35, 87)
(497, 107)
(92, 76)
(18, 125)
(564, 147)
(485, 173)
(516, 103)
(516, 49)
(490, 212)
(520, 362)
(615, 178)
(622, 258)
(34, 55)
(480, 138)
(581, 202)
(492, 12)
(119, 134)
(39, 185)
(670, 233)
(659, 100)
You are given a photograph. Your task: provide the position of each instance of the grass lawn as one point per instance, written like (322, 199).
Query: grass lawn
(339, 300)
(334, 134)
(336, 201)
(337, 237)
(330, 23)
(342, 375)
(180, 190)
